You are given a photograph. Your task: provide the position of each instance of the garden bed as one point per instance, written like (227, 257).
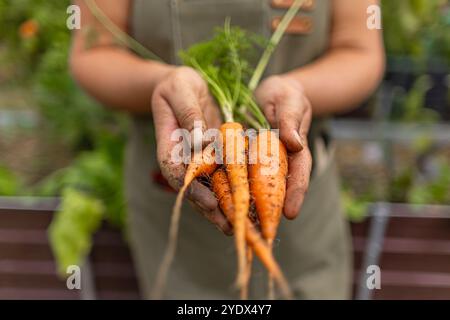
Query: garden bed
(27, 266)
(410, 244)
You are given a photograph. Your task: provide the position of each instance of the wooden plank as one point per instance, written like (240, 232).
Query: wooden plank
(416, 279)
(423, 228)
(360, 229)
(357, 260)
(30, 204)
(35, 267)
(110, 254)
(115, 269)
(115, 284)
(24, 219)
(411, 293)
(116, 295)
(25, 252)
(411, 262)
(13, 293)
(411, 285)
(359, 244)
(16, 236)
(109, 237)
(416, 246)
(30, 281)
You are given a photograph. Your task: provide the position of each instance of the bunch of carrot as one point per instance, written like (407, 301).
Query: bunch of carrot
(254, 168)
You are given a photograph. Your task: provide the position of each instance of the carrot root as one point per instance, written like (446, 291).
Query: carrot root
(268, 186)
(200, 166)
(169, 255)
(270, 280)
(221, 187)
(236, 169)
(248, 273)
(264, 253)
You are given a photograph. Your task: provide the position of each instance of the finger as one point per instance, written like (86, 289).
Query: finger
(201, 194)
(305, 125)
(163, 116)
(215, 217)
(300, 164)
(267, 105)
(270, 114)
(185, 99)
(165, 124)
(290, 110)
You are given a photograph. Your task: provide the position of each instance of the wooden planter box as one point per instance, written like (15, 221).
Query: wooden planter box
(27, 266)
(412, 249)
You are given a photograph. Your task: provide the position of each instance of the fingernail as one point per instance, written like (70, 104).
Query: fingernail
(299, 140)
(197, 138)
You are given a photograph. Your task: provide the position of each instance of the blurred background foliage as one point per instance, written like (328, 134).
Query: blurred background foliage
(34, 46)
(34, 50)
(35, 42)
(417, 28)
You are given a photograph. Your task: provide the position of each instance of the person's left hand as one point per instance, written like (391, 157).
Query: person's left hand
(287, 108)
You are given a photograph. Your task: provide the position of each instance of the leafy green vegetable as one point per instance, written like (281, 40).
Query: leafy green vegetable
(95, 179)
(400, 184)
(417, 28)
(434, 191)
(411, 105)
(9, 182)
(224, 62)
(71, 230)
(96, 173)
(355, 208)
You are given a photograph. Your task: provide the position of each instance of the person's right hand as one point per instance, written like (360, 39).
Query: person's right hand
(178, 101)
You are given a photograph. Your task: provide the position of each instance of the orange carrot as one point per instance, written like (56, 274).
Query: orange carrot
(221, 187)
(248, 273)
(202, 164)
(267, 174)
(267, 177)
(233, 140)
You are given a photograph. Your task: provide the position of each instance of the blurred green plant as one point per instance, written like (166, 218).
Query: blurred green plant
(355, 207)
(70, 114)
(30, 28)
(9, 182)
(71, 230)
(432, 191)
(40, 61)
(410, 106)
(417, 28)
(97, 173)
(36, 42)
(400, 185)
(95, 179)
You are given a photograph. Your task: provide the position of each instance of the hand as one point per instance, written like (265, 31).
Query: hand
(179, 100)
(287, 109)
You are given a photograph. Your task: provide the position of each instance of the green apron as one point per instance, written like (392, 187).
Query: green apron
(313, 250)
